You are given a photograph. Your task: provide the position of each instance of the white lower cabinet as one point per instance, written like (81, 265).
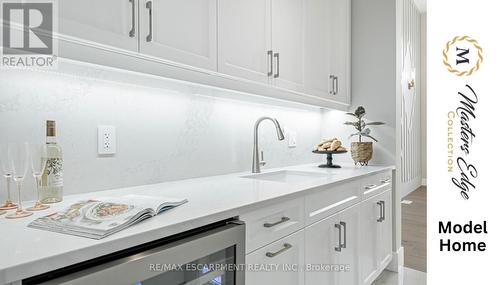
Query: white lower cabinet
(376, 240)
(278, 263)
(332, 249)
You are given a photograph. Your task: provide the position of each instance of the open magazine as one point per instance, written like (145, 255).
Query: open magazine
(100, 218)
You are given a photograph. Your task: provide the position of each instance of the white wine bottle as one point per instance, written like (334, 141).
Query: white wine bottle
(52, 178)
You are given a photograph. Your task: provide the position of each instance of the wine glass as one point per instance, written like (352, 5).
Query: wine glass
(18, 155)
(7, 174)
(38, 159)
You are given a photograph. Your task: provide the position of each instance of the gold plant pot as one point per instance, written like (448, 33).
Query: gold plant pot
(361, 152)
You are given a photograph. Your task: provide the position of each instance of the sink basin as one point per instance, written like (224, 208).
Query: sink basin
(287, 176)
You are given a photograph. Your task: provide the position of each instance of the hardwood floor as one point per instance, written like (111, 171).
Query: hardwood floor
(414, 230)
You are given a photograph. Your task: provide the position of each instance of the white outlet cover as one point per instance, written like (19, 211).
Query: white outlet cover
(292, 139)
(106, 140)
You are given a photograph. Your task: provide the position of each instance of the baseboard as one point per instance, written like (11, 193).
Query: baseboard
(397, 262)
(424, 181)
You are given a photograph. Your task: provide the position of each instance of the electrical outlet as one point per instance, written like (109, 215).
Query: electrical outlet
(292, 139)
(106, 140)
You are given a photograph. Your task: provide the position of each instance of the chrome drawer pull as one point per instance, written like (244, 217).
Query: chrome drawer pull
(270, 56)
(339, 248)
(131, 33)
(370, 186)
(383, 210)
(270, 225)
(381, 218)
(387, 180)
(344, 224)
(286, 247)
(277, 56)
(149, 6)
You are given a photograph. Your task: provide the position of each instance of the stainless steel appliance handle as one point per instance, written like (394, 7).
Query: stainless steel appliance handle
(270, 225)
(270, 58)
(277, 56)
(339, 248)
(381, 217)
(286, 247)
(344, 225)
(132, 30)
(149, 6)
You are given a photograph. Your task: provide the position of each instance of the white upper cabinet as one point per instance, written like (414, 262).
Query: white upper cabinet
(110, 22)
(340, 50)
(317, 41)
(180, 31)
(288, 43)
(245, 39)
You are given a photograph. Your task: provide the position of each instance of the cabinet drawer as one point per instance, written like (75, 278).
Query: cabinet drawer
(331, 200)
(376, 184)
(269, 224)
(286, 257)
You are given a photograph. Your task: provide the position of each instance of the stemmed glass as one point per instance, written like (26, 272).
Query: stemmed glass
(19, 160)
(7, 174)
(38, 159)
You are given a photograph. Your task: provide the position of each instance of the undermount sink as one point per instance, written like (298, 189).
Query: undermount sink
(287, 176)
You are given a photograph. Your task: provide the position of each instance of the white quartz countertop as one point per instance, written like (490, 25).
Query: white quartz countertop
(26, 252)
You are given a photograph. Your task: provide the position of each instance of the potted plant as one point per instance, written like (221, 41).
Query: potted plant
(361, 152)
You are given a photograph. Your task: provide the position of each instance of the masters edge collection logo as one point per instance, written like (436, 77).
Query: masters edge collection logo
(468, 55)
(28, 29)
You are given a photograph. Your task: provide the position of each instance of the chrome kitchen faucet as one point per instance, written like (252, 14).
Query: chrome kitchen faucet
(256, 163)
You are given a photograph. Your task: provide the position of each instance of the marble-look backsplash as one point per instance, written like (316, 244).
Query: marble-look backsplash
(166, 130)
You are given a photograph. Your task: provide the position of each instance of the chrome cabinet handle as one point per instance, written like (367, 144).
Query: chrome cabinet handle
(270, 58)
(383, 210)
(336, 85)
(149, 6)
(381, 217)
(344, 224)
(277, 56)
(339, 248)
(270, 225)
(132, 30)
(370, 186)
(387, 180)
(332, 83)
(286, 247)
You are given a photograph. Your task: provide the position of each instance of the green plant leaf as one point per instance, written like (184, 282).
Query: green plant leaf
(351, 123)
(366, 131)
(367, 135)
(360, 112)
(352, 114)
(352, 135)
(375, 123)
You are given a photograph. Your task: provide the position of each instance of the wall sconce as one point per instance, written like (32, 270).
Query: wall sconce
(411, 84)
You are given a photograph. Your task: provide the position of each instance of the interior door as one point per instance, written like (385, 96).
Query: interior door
(110, 22)
(340, 46)
(288, 43)
(369, 220)
(349, 255)
(317, 48)
(180, 31)
(245, 39)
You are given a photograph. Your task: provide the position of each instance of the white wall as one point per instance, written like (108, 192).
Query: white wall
(166, 132)
(423, 92)
(373, 74)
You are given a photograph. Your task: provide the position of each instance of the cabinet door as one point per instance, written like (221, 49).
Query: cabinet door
(180, 31)
(384, 254)
(245, 39)
(288, 43)
(349, 255)
(285, 257)
(317, 40)
(340, 55)
(370, 215)
(110, 22)
(333, 242)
